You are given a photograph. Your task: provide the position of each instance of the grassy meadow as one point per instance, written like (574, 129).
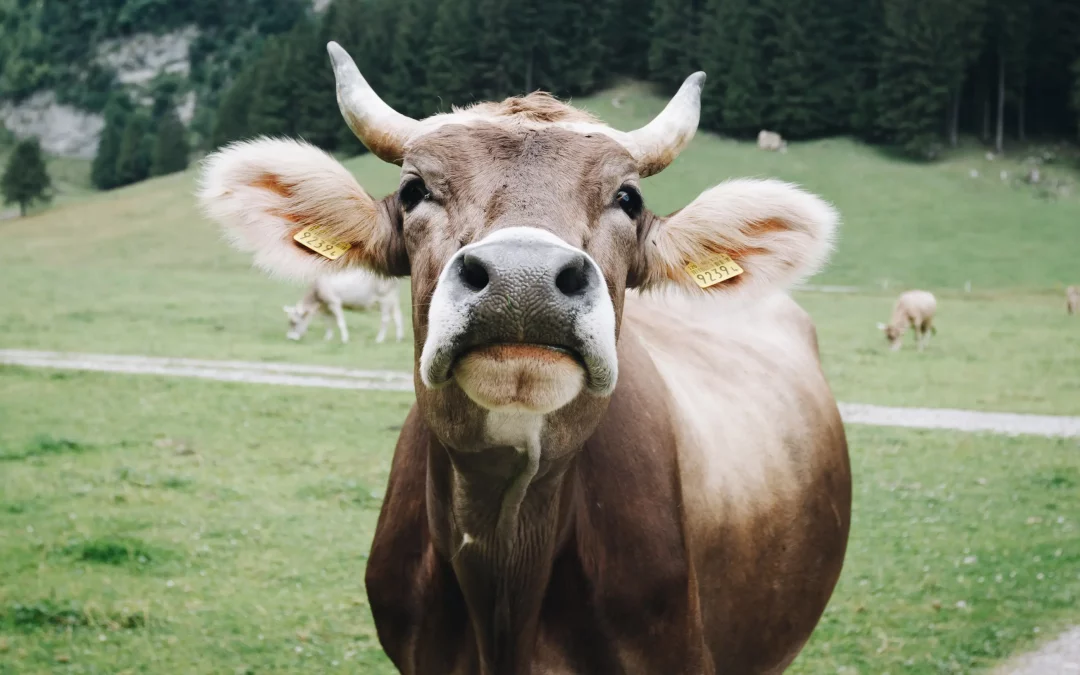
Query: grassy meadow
(153, 525)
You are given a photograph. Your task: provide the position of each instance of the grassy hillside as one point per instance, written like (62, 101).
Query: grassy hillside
(139, 271)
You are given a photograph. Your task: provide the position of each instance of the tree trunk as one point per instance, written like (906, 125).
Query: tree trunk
(984, 96)
(1020, 131)
(954, 119)
(999, 140)
(22, 209)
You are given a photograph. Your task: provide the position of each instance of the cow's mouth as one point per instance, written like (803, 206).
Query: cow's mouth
(538, 378)
(502, 351)
(449, 361)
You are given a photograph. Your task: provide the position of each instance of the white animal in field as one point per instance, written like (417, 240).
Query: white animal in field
(1072, 299)
(355, 289)
(770, 140)
(914, 309)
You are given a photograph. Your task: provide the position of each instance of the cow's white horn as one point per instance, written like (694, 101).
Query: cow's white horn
(659, 142)
(382, 129)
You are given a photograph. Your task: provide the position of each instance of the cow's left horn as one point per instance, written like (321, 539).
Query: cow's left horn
(659, 142)
(382, 129)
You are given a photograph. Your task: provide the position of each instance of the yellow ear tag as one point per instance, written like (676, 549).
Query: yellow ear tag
(312, 237)
(714, 269)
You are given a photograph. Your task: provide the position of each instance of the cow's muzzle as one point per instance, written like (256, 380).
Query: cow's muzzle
(524, 288)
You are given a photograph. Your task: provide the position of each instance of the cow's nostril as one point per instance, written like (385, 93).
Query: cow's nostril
(473, 273)
(572, 280)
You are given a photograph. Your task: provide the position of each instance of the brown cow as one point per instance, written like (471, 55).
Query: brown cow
(592, 480)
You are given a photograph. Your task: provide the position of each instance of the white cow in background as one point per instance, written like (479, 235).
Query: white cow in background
(770, 140)
(915, 310)
(353, 289)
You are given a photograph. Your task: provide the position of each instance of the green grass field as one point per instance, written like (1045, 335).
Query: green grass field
(153, 525)
(156, 526)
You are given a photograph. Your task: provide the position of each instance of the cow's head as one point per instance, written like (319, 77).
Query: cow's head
(893, 333)
(522, 225)
(297, 316)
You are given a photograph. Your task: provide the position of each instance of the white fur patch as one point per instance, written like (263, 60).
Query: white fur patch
(261, 192)
(777, 232)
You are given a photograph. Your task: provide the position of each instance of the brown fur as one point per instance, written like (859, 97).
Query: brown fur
(1072, 299)
(638, 545)
(272, 183)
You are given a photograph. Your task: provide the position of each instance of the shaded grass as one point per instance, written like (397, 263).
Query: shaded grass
(258, 563)
(49, 613)
(39, 445)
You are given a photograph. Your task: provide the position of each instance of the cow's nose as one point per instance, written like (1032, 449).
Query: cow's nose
(535, 271)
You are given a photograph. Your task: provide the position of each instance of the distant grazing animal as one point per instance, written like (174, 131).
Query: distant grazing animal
(914, 309)
(592, 480)
(1072, 299)
(353, 289)
(770, 140)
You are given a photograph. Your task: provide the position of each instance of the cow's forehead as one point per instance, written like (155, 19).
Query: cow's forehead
(476, 147)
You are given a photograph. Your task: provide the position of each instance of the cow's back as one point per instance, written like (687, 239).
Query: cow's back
(763, 460)
(918, 306)
(357, 288)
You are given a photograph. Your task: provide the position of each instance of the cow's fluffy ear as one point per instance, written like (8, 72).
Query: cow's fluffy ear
(776, 233)
(263, 192)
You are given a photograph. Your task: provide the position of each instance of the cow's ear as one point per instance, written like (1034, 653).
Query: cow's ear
(773, 232)
(266, 192)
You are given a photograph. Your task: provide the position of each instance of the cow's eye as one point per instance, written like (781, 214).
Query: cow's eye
(629, 200)
(412, 193)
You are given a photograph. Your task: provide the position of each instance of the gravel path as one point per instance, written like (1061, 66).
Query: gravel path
(1059, 657)
(961, 420)
(389, 380)
(227, 371)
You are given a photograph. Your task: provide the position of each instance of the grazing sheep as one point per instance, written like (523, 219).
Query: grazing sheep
(913, 309)
(1072, 299)
(353, 289)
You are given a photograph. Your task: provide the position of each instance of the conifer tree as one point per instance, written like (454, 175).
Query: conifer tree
(672, 49)
(408, 59)
(26, 179)
(743, 106)
(451, 55)
(314, 111)
(103, 169)
(232, 119)
(626, 33)
(170, 146)
(133, 161)
(913, 84)
(271, 111)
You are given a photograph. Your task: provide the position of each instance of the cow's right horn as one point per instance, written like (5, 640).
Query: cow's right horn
(382, 129)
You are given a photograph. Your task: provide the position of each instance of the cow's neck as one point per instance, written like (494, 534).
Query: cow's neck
(501, 512)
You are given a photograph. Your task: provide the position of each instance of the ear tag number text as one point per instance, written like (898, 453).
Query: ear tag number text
(714, 269)
(312, 237)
